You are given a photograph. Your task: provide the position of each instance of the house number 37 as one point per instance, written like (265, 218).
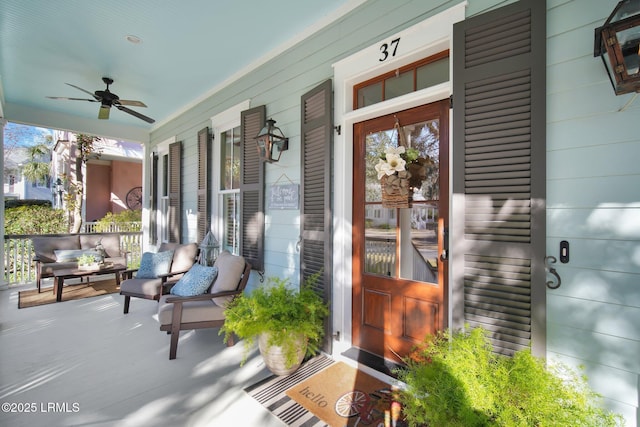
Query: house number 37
(389, 50)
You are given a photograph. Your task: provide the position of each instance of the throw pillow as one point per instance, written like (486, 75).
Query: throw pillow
(70, 255)
(153, 264)
(195, 281)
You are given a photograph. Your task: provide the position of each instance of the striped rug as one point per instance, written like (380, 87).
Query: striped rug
(270, 392)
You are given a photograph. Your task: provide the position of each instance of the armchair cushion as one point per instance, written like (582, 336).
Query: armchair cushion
(196, 281)
(230, 268)
(193, 311)
(143, 288)
(184, 257)
(153, 265)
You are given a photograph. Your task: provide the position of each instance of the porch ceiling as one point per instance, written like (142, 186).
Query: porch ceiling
(188, 49)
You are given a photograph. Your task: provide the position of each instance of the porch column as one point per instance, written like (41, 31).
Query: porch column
(3, 282)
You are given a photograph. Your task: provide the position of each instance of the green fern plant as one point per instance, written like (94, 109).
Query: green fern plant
(281, 311)
(457, 380)
(87, 259)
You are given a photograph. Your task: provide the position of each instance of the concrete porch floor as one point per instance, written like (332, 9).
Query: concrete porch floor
(85, 363)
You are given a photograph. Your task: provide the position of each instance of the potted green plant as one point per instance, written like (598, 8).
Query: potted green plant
(89, 262)
(288, 322)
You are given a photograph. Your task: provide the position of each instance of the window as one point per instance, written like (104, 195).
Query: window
(164, 199)
(410, 78)
(230, 145)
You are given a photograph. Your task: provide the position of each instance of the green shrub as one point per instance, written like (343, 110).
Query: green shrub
(457, 380)
(35, 220)
(14, 203)
(129, 220)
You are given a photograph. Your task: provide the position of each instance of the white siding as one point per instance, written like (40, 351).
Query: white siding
(594, 203)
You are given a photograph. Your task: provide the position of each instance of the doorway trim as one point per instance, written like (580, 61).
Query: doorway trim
(433, 35)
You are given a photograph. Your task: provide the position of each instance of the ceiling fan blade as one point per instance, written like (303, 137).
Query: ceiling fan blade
(130, 103)
(85, 91)
(71, 99)
(103, 113)
(135, 113)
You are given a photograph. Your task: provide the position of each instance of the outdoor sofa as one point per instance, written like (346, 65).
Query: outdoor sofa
(56, 252)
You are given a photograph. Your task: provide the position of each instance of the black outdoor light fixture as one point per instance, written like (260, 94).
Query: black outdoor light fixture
(617, 42)
(269, 139)
(59, 189)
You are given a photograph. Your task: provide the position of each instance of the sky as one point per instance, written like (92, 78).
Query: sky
(17, 135)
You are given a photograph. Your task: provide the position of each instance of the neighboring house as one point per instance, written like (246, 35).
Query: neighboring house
(533, 149)
(16, 186)
(112, 177)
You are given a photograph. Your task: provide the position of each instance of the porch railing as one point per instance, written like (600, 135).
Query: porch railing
(114, 227)
(19, 266)
(380, 258)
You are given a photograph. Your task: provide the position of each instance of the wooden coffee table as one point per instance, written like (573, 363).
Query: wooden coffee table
(71, 273)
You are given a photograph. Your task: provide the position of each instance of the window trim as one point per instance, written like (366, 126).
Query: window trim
(405, 68)
(427, 37)
(220, 123)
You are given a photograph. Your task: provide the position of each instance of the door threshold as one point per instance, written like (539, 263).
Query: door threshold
(373, 361)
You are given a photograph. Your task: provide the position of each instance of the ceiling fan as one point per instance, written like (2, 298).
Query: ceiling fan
(107, 99)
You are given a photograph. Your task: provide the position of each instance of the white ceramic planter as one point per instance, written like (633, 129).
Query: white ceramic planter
(274, 356)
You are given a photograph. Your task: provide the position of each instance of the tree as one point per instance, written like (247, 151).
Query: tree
(84, 151)
(19, 137)
(37, 168)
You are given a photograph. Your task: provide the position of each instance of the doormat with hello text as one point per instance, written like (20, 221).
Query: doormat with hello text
(341, 395)
(323, 393)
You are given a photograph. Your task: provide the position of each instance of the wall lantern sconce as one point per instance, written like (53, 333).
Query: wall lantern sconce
(617, 42)
(59, 188)
(269, 139)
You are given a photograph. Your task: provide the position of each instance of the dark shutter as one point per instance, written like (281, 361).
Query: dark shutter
(153, 195)
(498, 236)
(175, 192)
(204, 174)
(252, 189)
(316, 153)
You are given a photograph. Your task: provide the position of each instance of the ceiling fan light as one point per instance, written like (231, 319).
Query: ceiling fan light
(103, 113)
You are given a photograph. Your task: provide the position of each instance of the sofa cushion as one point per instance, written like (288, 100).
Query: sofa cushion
(109, 243)
(153, 265)
(43, 246)
(230, 268)
(196, 281)
(192, 311)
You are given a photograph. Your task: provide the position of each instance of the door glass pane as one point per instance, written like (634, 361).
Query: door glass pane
(432, 74)
(398, 85)
(370, 95)
(403, 242)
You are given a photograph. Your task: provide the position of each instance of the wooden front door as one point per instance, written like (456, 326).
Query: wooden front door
(399, 256)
